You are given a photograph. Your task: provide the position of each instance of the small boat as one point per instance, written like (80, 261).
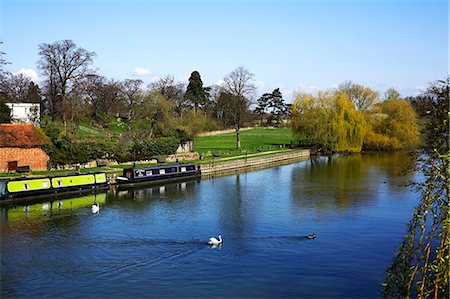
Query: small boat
(25, 188)
(160, 173)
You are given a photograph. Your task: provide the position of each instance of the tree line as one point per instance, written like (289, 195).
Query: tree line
(73, 92)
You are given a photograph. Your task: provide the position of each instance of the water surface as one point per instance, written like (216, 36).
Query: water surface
(151, 242)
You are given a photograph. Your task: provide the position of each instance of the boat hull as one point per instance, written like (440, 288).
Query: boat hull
(38, 188)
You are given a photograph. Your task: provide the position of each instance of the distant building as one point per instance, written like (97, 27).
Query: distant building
(25, 113)
(20, 145)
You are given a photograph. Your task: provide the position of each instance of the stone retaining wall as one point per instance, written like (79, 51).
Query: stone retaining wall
(217, 168)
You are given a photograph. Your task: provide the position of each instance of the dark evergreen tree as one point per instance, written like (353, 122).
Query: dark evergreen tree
(263, 104)
(5, 112)
(196, 95)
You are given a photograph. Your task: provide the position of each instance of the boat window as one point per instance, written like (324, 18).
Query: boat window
(183, 169)
(162, 171)
(44, 184)
(174, 169)
(191, 167)
(140, 173)
(26, 186)
(59, 182)
(156, 171)
(148, 172)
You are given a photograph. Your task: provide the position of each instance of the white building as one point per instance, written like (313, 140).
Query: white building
(25, 113)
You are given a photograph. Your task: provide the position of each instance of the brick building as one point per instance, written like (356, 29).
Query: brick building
(22, 143)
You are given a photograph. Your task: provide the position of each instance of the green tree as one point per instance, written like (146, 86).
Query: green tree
(328, 122)
(263, 105)
(196, 95)
(391, 94)
(5, 111)
(421, 266)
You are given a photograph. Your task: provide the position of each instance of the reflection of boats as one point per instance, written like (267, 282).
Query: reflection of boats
(160, 173)
(44, 186)
(39, 209)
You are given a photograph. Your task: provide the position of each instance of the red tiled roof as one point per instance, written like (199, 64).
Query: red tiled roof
(21, 135)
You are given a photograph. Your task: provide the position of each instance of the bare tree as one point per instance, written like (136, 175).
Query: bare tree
(171, 90)
(362, 97)
(15, 88)
(65, 66)
(239, 84)
(3, 62)
(131, 90)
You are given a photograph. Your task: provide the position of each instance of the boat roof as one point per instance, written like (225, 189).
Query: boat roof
(47, 176)
(160, 166)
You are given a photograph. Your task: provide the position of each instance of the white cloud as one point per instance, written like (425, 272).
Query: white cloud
(220, 83)
(140, 71)
(259, 85)
(30, 73)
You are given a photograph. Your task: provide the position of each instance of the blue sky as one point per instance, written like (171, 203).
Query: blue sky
(295, 45)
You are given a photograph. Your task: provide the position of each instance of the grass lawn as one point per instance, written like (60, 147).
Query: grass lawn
(252, 141)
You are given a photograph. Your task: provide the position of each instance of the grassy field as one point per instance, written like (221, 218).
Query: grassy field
(252, 141)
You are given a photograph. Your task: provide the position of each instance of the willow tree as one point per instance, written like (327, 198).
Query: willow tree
(328, 122)
(421, 266)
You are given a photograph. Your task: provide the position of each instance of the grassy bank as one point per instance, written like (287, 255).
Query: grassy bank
(252, 141)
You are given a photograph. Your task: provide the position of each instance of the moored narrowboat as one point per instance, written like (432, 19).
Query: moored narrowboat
(52, 185)
(160, 173)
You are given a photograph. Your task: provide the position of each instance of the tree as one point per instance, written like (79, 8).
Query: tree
(272, 103)
(196, 95)
(131, 90)
(16, 88)
(3, 61)
(64, 66)
(399, 122)
(391, 94)
(362, 97)
(171, 90)
(421, 266)
(5, 111)
(239, 85)
(329, 122)
(277, 105)
(262, 106)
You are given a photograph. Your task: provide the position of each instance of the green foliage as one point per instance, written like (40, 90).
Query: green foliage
(5, 111)
(147, 149)
(379, 142)
(421, 266)
(396, 121)
(329, 122)
(196, 95)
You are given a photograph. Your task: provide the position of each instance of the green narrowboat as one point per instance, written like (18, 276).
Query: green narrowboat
(44, 186)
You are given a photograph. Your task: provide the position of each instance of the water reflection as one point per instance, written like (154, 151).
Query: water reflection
(32, 219)
(349, 181)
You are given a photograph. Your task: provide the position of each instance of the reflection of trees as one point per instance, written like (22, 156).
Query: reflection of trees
(143, 197)
(236, 205)
(341, 181)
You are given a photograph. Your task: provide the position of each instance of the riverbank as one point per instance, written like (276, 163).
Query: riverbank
(251, 162)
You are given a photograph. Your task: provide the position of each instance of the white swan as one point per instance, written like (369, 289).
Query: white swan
(214, 241)
(95, 208)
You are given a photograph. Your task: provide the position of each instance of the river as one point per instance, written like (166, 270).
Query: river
(151, 242)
